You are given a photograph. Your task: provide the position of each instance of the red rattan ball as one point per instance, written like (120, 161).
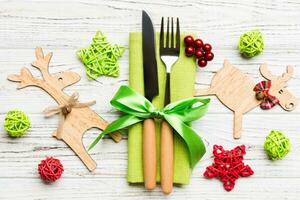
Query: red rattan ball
(50, 169)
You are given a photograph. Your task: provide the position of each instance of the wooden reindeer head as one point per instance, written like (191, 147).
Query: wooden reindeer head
(279, 83)
(53, 84)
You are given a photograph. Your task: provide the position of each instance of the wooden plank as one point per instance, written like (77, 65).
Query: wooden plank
(116, 188)
(58, 28)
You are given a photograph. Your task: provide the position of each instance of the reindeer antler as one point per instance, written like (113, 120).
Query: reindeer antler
(50, 83)
(42, 62)
(265, 72)
(25, 78)
(289, 73)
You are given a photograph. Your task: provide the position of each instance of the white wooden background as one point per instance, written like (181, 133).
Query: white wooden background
(65, 26)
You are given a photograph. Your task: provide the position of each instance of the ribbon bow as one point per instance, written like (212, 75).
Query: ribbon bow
(64, 110)
(178, 114)
(262, 93)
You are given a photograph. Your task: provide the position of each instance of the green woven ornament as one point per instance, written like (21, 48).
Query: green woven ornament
(277, 145)
(16, 123)
(101, 58)
(251, 44)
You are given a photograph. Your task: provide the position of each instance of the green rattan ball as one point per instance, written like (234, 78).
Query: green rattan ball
(277, 145)
(251, 44)
(16, 123)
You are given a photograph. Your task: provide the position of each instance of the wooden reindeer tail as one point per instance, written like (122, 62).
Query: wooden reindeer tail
(116, 136)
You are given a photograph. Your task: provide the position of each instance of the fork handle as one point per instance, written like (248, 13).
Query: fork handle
(166, 156)
(166, 153)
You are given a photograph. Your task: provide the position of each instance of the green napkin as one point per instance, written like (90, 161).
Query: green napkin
(182, 86)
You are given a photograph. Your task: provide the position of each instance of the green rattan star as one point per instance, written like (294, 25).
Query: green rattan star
(101, 58)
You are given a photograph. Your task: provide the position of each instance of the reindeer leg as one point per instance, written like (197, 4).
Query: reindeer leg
(204, 92)
(74, 140)
(238, 120)
(72, 135)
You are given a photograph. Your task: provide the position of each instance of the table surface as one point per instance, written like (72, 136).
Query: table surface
(65, 26)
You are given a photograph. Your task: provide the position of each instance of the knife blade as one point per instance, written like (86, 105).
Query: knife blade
(150, 91)
(149, 58)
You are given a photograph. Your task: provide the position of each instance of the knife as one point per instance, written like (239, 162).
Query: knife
(150, 90)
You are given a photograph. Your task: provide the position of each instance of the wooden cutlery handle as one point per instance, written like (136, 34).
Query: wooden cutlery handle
(167, 166)
(149, 154)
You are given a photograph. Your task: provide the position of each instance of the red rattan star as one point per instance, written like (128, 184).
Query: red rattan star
(228, 166)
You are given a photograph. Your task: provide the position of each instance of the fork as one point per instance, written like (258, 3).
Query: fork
(169, 54)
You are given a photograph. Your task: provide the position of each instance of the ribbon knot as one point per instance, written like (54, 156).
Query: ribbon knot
(65, 109)
(158, 114)
(178, 114)
(262, 94)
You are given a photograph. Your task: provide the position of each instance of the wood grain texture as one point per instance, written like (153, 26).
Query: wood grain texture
(64, 26)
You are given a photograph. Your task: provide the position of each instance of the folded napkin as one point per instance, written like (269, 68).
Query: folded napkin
(182, 86)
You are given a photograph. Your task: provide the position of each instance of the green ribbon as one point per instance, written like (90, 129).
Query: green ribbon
(177, 114)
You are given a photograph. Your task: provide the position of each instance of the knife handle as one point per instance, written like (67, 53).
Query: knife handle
(149, 154)
(166, 158)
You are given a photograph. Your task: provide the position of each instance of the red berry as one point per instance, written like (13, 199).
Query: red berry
(209, 56)
(207, 47)
(198, 43)
(202, 62)
(199, 53)
(189, 50)
(188, 40)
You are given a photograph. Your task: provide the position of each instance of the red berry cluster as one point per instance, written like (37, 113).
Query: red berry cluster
(199, 49)
(228, 166)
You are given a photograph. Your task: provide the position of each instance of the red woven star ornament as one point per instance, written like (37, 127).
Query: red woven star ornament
(228, 166)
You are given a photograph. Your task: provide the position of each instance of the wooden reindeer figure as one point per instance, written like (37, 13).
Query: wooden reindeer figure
(77, 118)
(236, 91)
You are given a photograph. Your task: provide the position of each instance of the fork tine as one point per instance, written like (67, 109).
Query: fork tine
(161, 45)
(167, 38)
(172, 35)
(178, 36)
